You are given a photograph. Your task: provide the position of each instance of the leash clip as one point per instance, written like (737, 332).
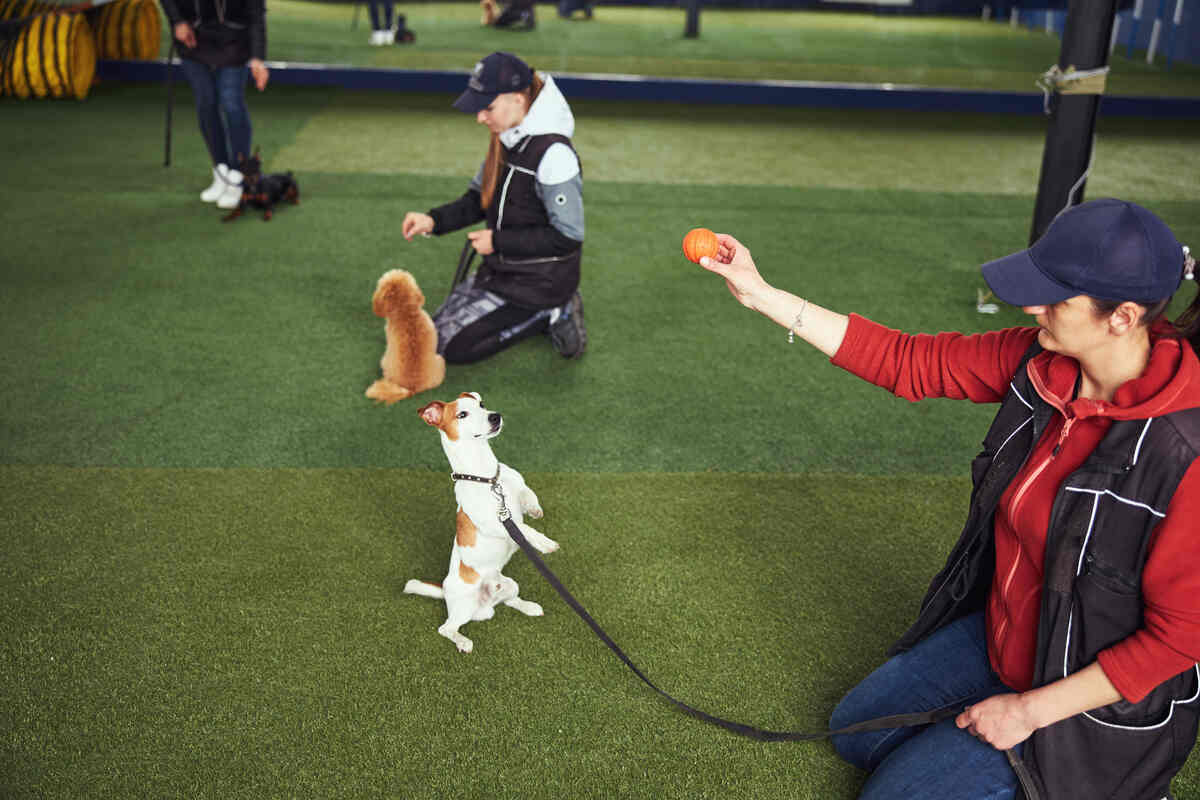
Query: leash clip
(504, 514)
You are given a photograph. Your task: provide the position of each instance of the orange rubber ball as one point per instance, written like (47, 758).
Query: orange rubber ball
(700, 242)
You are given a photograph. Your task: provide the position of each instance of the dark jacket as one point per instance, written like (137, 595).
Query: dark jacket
(228, 32)
(535, 264)
(1101, 523)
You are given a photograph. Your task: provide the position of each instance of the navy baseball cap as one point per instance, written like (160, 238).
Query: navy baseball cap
(496, 74)
(1107, 249)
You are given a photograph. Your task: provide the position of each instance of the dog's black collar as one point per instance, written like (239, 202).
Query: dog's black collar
(459, 476)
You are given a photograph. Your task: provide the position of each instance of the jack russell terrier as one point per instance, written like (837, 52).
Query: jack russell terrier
(473, 585)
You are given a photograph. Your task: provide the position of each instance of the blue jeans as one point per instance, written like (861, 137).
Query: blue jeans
(933, 762)
(221, 108)
(381, 14)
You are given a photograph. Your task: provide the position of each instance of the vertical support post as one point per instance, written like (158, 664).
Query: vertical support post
(170, 77)
(1171, 31)
(691, 29)
(1068, 148)
(1156, 31)
(1133, 28)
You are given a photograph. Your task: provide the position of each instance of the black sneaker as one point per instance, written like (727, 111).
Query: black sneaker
(568, 333)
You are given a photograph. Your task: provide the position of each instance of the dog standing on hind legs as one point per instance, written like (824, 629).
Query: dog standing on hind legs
(410, 362)
(474, 584)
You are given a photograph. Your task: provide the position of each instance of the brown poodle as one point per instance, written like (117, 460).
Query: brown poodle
(410, 363)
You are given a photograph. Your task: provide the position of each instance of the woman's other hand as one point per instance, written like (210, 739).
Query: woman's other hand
(482, 241)
(260, 72)
(1003, 721)
(185, 35)
(734, 264)
(416, 223)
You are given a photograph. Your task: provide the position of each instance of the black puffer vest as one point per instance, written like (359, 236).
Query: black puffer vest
(1100, 526)
(534, 282)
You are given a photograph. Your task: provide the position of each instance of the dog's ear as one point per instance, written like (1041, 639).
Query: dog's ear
(432, 413)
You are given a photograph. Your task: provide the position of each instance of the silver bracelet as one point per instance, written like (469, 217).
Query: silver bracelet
(798, 323)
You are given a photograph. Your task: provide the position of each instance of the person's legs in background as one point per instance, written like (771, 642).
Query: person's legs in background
(518, 15)
(203, 81)
(231, 98)
(568, 7)
(949, 668)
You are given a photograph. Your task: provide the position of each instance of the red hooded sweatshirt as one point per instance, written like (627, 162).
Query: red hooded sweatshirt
(979, 368)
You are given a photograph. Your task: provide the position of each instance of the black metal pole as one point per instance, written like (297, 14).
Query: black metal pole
(170, 103)
(692, 28)
(1072, 116)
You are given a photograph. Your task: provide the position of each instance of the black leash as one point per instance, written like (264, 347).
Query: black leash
(464, 264)
(170, 102)
(894, 721)
(880, 723)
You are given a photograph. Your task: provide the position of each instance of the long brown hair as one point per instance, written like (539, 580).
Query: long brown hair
(495, 154)
(1186, 325)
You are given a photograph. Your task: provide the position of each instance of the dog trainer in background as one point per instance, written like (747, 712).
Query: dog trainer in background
(1067, 617)
(221, 42)
(530, 193)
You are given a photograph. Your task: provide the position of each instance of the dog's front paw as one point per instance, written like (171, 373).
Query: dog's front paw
(549, 546)
(530, 504)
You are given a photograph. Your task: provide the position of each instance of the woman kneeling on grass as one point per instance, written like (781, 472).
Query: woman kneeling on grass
(529, 191)
(1067, 618)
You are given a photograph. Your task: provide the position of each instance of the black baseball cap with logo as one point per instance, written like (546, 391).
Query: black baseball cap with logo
(496, 74)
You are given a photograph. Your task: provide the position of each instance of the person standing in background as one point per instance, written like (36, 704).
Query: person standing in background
(221, 43)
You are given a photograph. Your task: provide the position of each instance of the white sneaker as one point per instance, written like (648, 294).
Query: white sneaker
(211, 194)
(377, 37)
(231, 192)
(389, 37)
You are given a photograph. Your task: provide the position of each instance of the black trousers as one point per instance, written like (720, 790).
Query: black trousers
(474, 324)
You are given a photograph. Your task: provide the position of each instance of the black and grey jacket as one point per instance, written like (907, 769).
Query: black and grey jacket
(536, 214)
(228, 32)
(1099, 532)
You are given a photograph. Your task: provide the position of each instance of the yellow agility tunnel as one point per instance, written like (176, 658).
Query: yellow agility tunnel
(50, 54)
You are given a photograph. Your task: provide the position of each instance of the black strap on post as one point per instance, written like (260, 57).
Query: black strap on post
(170, 103)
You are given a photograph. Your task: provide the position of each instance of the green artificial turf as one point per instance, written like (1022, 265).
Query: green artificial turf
(242, 633)
(207, 526)
(733, 44)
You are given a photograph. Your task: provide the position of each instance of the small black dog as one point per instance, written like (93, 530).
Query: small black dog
(263, 191)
